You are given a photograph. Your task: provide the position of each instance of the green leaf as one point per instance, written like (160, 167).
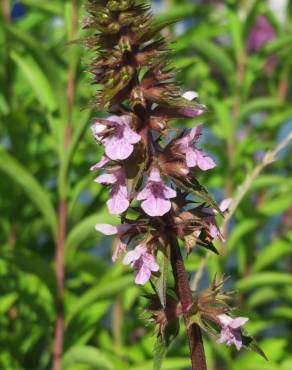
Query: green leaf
(214, 53)
(87, 355)
(84, 229)
(50, 7)
(65, 162)
(243, 227)
(251, 344)
(31, 187)
(271, 254)
(264, 278)
(276, 204)
(160, 282)
(107, 287)
(31, 263)
(193, 186)
(235, 27)
(134, 169)
(261, 104)
(173, 363)
(6, 301)
(37, 80)
(160, 350)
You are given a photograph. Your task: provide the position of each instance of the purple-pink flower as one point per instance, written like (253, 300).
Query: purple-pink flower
(118, 202)
(195, 157)
(189, 111)
(231, 330)
(143, 261)
(121, 231)
(156, 195)
(211, 213)
(261, 33)
(104, 160)
(116, 134)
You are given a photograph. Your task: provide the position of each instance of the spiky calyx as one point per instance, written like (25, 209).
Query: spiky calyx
(130, 61)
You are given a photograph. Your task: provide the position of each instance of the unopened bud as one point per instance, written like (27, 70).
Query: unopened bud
(116, 5)
(125, 44)
(158, 124)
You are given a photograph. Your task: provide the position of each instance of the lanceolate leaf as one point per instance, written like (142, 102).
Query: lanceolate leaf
(31, 187)
(160, 282)
(196, 188)
(37, 79)
(86, 355)
(250, 343)
(163, 344)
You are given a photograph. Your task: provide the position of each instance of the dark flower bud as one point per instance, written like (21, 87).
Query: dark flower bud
(137, 97)
(114, 27)
(158, 123)
(163, 317)
(121, 5)
(125, 44)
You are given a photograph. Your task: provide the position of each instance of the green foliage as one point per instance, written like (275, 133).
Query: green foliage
(46, 151)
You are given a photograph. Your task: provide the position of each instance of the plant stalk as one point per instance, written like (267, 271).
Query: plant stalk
(184, 293)
(62, 214)
(60, 276)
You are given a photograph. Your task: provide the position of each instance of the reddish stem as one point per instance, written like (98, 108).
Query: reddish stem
(183, 290)
(62, 216)
(60, 275)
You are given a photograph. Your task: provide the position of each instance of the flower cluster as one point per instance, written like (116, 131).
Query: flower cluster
(152, 169)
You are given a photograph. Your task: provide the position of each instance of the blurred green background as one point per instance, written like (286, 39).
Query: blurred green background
(48, 198)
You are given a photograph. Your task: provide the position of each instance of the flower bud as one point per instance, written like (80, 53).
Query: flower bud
(116, 5)
(158, 124)
(125, 44)
(137, 97)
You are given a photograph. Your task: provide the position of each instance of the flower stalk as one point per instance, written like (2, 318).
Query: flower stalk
(152, 170)
(195, 340)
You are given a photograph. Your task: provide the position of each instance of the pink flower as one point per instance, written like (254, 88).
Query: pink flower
(189, 111)
(231, 330)
(212, 212)
(104, 160)
(261, 34)
(194, 156)
(143, 261)
(119, 202)
(156, 195)
(117, 136)
(121, 231)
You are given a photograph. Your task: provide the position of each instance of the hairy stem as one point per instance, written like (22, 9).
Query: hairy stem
(183, 290)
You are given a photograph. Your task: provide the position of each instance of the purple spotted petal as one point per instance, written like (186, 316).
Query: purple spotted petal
(144, 194)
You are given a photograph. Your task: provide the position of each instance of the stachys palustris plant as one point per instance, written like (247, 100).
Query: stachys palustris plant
(152, 171)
